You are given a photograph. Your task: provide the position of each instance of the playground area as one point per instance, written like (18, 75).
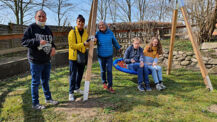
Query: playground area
(185, 99)
(188, 61)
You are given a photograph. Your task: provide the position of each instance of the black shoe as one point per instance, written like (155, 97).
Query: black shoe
(148, 88)
(141, 88)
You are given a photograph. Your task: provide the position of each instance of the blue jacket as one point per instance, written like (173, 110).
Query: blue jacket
(131, 53)
(105, 42)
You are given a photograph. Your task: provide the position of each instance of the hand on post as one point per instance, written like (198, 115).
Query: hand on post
(95, 40)
(86, 43)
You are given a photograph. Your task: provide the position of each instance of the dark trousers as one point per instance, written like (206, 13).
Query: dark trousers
(76, 73)
(106, 68)
(40, 72)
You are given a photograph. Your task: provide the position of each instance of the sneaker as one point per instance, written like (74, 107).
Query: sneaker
(105, 87)
(158, 87)
(71, 97)
(79, 91)
(140, 88)
(162, 85)
(53, 102)
(148, 88)
(38, 107)
(111, 90)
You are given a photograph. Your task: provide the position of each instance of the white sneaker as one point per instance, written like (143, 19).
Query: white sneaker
(38, 107)
(158, 87)
(162, 85)
(71, 97)
(79, 91)
(53, 102)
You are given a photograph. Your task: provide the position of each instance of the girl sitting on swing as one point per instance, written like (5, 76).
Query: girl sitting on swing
(151, 55)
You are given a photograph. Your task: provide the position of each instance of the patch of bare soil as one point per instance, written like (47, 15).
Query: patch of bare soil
(79, 110)
(212, 108)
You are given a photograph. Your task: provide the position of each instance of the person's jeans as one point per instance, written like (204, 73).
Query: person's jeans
(40, 72)
(106, 66)
(76, 72)
(156, 73)
(136, 67)
(145, 74)
(142, 72)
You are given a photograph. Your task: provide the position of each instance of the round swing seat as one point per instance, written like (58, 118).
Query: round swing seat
(120, 65)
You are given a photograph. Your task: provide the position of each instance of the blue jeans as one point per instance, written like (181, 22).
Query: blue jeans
(76, 72)
(106, 66)
(142, 72)
(40, 72)
(156, 73)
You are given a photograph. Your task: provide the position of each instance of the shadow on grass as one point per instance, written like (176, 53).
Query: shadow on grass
(30, 115)
(127, 97)
(10, 86)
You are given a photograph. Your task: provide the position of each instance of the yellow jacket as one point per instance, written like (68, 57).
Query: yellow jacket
(73, 46)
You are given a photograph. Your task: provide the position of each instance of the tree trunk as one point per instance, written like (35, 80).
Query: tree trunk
(129, 9)
(16, 6)
(21, 12)
(207, 30)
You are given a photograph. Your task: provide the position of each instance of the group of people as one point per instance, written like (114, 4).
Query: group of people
(145, 63)
(39, 40)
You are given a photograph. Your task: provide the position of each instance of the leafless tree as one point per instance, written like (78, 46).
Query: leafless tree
(125, 10)
(141, 5)
(103, 7)
(61, 7)
(113, 7)
(20, 8)
(204, 15)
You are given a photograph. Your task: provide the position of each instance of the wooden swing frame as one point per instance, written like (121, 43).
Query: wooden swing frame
(195, 46)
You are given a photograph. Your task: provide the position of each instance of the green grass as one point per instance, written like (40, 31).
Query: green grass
(185, 99)
(179, 45)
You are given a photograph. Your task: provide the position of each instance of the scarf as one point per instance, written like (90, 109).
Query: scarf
(154, 51)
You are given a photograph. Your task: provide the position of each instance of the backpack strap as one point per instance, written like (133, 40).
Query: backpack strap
(75, 36)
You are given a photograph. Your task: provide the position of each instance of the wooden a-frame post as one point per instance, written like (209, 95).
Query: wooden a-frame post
(203, 70)
(91, 32)
(172, 38)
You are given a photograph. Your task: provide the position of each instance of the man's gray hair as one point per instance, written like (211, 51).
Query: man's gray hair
(101, 21)
(40, 10)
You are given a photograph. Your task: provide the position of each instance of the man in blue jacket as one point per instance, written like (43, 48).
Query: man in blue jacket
(133, 57)
(39, 40)
(105, 43)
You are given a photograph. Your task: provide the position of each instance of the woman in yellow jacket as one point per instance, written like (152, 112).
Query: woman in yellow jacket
(77, 41)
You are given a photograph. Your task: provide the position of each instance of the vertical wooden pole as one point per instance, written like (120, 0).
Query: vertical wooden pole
(90, 19)
(196, 50)
(172, 39)
(92, 32)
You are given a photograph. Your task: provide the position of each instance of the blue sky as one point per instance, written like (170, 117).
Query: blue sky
(82, 7)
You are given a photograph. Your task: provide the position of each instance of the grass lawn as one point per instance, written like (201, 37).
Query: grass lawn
(179, 45)
(185, 99)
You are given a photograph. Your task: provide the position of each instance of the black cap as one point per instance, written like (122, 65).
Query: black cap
(81, 18)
